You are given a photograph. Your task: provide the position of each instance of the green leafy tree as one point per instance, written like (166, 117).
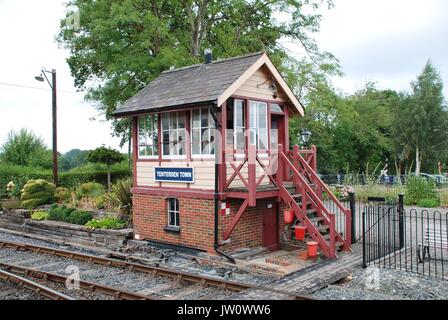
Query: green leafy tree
(421, 121)
(73, 159)
(24, 148)
(120, 46)
(105, 156)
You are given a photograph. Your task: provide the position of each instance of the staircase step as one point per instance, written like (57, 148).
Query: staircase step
(311, 211)
(297, 195)
(317, 219)
(323, 228)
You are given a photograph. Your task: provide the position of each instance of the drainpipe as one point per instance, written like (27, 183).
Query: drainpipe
(214, 113)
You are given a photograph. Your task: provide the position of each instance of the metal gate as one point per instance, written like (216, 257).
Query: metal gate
(382, 229)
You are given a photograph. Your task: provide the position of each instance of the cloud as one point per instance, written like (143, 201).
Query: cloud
(387, 41)
(28, 44)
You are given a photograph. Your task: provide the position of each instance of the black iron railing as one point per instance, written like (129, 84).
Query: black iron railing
(409, 240)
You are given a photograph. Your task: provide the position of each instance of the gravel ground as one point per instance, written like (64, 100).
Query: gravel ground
(105, 275)
(386, 284)
(167, 258)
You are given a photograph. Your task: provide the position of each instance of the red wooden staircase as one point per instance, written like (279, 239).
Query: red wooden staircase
(296, 183)
(330, 229)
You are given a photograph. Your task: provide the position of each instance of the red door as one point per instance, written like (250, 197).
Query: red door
(270, 225)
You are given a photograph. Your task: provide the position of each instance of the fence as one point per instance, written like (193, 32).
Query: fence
(409, 240)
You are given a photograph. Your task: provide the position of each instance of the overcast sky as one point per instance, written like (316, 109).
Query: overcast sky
(387, 41)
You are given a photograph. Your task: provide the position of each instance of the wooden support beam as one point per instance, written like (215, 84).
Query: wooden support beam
(252, 173)
(235, 220)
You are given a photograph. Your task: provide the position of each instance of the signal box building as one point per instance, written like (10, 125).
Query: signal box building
(213, 168)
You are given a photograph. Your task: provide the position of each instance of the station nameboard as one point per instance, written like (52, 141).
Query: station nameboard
(181, 175)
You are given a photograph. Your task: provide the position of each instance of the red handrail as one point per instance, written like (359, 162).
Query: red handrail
(319, 181)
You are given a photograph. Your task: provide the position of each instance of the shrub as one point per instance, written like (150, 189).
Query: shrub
(90, 189)
(418, 189)
(40, 215)
(106, 223)
(122, 195)
(79, 217)
(62, 195)
(69, 215)
(37, 192)
(71, 179)
(444, 198)
(428, 203)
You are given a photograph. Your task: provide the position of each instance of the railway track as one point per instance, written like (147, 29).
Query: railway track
(150, 282)
(36, 287)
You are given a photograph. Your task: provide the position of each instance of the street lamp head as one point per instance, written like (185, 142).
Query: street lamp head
(305, 136)
(39, 78)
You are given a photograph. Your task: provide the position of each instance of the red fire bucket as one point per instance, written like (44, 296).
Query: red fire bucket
(288, 216)
(312, 249)
(300, 232)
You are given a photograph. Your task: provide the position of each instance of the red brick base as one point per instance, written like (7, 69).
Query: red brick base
(196, 217)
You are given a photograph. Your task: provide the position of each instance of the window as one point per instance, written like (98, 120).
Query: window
(148, 139)
(275, 108)
(258, 124)
(173, 134)
(236, 124)
(173, 213)
(202, 132)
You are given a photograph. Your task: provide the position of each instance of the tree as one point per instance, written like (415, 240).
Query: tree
(24, 148)
(420, 124)
(72, 159)
(105, 156)
(120, 46)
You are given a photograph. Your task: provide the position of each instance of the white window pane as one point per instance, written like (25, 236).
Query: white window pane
(211, 121)
(239, 113)
(262, 116)
(204, 118)
(181, 120)
(196, 138)
(240, 139)
(196, 119)
(166, 121)
(142, 151)
(253, 115)
(276, 108)
(262, 139)
(173, 121)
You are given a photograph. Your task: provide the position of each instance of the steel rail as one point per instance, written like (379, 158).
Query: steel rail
(34, 286)
(152, 270)
(118, 294)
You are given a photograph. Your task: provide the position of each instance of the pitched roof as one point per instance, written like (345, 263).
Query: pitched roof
(193, 84)
(202, 83)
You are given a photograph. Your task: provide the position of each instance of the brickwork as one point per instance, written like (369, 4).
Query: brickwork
(196, 218)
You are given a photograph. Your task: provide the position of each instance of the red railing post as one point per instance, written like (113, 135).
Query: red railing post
(332, 218)
(314, 155)
(280, 166)
(252, 175)
(295, 157)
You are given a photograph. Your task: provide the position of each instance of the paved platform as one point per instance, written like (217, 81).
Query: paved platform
(308, 279)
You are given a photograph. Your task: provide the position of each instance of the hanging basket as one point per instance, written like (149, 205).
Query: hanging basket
(288, 216)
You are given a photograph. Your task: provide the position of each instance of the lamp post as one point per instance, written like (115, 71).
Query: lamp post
(304, 137)
(54, 112)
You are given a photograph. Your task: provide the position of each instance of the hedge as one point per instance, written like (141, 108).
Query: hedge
(20, 176)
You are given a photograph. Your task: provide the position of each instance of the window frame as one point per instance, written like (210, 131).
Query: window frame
(256, 128)
(155, 130)
(209, 128)
(171, 131)
(176, 212)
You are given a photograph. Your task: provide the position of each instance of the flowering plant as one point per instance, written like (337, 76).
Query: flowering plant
(345, 192)
(10, 188)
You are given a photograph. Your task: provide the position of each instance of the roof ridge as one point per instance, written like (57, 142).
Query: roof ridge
(215, 62)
